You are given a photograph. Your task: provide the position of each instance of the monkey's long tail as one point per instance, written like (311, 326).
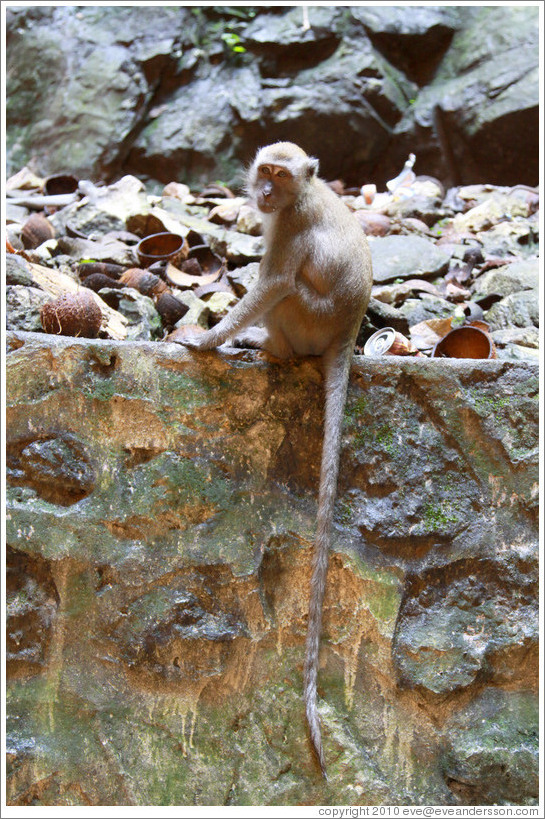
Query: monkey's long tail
(337, 369)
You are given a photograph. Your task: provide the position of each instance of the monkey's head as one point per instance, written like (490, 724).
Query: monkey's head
(280, 175)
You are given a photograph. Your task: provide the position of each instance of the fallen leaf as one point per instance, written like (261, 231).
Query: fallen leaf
(426, 334)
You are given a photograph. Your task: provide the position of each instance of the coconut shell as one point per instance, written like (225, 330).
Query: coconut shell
(113, 271)
(96, 281)
(142, 280)
(37, 230)
(170, 308)
(74, 314)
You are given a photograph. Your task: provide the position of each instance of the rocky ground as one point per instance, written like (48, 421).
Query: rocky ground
(441, 259)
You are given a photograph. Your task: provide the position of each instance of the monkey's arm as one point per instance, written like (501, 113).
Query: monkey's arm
(262, 298)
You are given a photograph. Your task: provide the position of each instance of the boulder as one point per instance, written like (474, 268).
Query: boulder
(509, 279)
(404, 257)
(519, 309)
(479, 115)
(160, 519)
(187, 94)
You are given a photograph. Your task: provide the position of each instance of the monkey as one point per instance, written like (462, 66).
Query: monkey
(312, 291)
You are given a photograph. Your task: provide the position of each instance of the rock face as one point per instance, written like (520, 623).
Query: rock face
(160, 516)
(188, 93)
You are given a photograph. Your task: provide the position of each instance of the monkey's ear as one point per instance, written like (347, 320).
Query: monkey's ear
(312, 167)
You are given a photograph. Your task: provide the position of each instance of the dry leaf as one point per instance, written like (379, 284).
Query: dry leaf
(426, 334)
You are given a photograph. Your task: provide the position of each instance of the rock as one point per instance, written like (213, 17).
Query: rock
(412, 225)
(492, 748)
(179, 191)
(24, 180)
(424, 203)
(403, 257)
(425, 307)
(337, 84)
(225, 211)
(16, 213)
(239, 248)
(86, 219)
(18, 270)
(243, 278)
(285, 38)
(103, 250)
(495, 207)
(516, 238)
(373, 224)
(517, 309)
(481, 99)
(524, 336)
(438, 645)
(186, 141)
(111, 83)
(425, 209)
(144, 322)
(418, 80)
(13, 236)
(509, 279)
(518, 352)
(249, 221)
(198, 312)
(44, 253)
(219, 303)
(181, 577)
(413, 42)
(397, 293)
(385, 315)
(517, 344)
(23, 305)
(31, 606)
(57, 468)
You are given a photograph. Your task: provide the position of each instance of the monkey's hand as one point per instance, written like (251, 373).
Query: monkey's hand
(204, 340)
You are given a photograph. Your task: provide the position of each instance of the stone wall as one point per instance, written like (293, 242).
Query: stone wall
(159, 523)
(189, 93)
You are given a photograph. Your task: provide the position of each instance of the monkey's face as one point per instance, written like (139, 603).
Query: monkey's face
(280, 176)
(274, 187)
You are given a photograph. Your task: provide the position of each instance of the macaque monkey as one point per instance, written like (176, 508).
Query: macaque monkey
(311, 295)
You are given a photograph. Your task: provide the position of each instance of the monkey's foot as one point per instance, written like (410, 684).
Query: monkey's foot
(253, 337)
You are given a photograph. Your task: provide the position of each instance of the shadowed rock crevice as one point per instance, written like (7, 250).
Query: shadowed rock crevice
(57, 468)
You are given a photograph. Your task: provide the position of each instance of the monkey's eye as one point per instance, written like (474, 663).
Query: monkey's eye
(265, 169)
(282, 173)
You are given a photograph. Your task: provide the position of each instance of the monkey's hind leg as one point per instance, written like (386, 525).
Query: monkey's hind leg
(270, 340)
